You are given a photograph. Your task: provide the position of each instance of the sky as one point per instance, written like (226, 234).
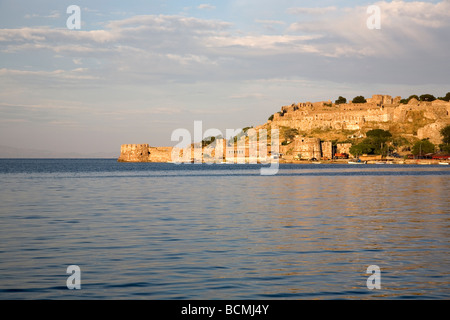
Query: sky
(136, 71)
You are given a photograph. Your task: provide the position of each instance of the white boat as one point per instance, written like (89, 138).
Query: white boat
(357, 162)
(444, 163)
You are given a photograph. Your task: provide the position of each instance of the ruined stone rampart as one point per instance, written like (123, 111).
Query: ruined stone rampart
(144, 153)
(379, 110)
(134, 153)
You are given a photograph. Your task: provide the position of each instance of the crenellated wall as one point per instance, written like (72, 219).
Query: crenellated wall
(144, 153)
(134, 153)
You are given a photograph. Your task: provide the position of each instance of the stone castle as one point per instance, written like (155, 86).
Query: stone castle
(414, 120)
(144, 153)
(379, 111)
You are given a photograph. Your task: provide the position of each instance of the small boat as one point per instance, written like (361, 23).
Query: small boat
(357, 162)
(444, 163)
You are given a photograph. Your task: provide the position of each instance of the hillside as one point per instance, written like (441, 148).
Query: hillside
(349, 122)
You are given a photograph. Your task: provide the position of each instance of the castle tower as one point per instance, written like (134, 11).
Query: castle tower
(327, 149)
(307, 148)
(134, 153)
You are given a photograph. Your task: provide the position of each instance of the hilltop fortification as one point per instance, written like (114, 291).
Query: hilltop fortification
(317, 124)
(421, 119)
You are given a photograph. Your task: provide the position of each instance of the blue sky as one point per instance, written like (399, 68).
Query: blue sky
(137, 70)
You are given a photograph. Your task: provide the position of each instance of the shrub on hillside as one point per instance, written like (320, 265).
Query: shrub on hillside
(359, 99)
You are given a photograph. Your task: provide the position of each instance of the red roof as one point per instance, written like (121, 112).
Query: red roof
(441, 156)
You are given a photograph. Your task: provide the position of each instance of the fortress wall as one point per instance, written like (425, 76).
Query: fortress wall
(350, 120)
(343, 148)
(432, 131)
(144, 153)
(356, 119)
(437, 112)
(396, 100)
(160, 154)
(384, 99)
(381, 111)
(134, 152)
(307, 148)
(327, 149)
(432, 111)
(355, 116)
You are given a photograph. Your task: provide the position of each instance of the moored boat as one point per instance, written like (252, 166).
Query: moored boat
(357, 162)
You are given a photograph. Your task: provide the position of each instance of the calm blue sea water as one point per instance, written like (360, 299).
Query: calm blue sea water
(166, 231)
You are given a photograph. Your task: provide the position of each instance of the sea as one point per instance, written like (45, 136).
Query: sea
(163, 231)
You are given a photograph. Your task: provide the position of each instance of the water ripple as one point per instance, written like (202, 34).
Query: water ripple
(159, 231)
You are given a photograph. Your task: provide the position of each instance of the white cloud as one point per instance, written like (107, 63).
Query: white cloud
(206, 6)
(160, 48)
(59, 74)
(406, 28)
(281, 43)
(270, 22)
(313, 11)
(53, 15)
(189, 59)
(335, 32)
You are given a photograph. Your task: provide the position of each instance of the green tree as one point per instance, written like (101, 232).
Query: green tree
(270, 118)
(360, 148)
(446, 98)
(400, 142)
(422, 147)
(208, 141)
(289, 133)
(341, 100)
(445, 132)
(427, 97)
(445, 146)
(405, 101)
(377, 140)
(359, 99)
(379, 133)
